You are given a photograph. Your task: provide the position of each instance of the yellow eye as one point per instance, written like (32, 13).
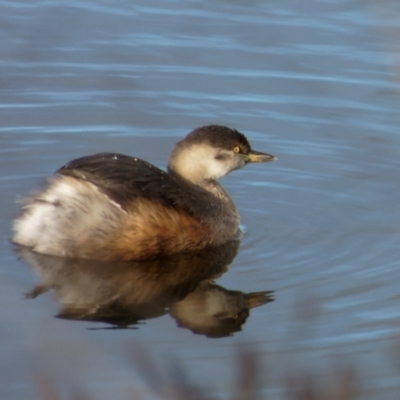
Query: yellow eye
(236, 149)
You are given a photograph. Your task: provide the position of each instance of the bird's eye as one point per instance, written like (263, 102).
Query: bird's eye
(236, 149)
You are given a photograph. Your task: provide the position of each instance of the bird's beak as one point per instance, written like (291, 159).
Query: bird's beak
(256, 156)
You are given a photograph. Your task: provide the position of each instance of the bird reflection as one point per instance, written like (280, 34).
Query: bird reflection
(125, 293)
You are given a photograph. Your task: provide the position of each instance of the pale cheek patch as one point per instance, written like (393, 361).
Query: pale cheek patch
(202, 162)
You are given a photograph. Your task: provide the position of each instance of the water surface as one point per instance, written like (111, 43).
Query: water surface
(315, 84)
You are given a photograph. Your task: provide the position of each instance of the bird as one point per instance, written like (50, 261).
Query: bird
(115, 207)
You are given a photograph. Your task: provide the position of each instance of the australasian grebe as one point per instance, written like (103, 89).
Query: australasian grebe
(114, 207)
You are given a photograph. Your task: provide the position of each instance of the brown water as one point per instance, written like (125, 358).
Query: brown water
(315, 83)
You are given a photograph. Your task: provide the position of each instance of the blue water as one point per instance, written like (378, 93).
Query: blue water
(315, 83)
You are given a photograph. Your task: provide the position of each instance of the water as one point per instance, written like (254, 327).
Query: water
(315, 84)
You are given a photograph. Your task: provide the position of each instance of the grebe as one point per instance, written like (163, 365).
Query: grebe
(115, 207)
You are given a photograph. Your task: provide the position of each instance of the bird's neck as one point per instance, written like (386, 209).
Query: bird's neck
(211, 185)
(209, 202)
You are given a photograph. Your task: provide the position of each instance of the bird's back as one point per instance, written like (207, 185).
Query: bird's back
(112, 206)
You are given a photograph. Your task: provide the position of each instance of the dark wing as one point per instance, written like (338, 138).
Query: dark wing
(124, 178)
